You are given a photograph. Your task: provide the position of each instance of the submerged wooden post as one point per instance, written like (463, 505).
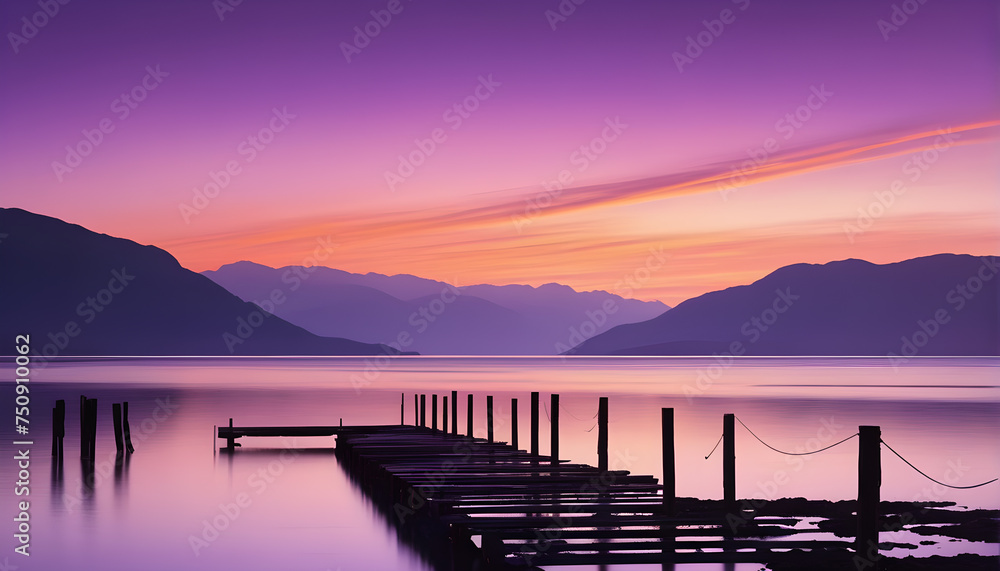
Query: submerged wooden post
(84, 446)
(402, 406)
(869, 481)
(602, 434)
(454, 412)
(423, 411)
(534, 424)
(444, 413)
(434, 412)
(489, 418)
(669, 469)
(729, 460)
(468, 428)
(58, 427)
(555, 428)
(116, 417)
(513, 423)
(127, 430)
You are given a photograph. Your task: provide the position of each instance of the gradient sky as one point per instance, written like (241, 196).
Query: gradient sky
(467, 214)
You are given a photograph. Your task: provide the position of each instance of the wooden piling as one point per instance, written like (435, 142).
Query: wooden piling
(489, 418)
(669, 468)
(92, 427)
(416, 410)
(513, 423)
(402, 405)
(444, 413)
(116, 417)
(434, 412)
(534, 424)
(126, 429)
(423, 411)
(602, 433)
(729, 460)
(454, 412)
(869, 481)
(555, 429)
(84, 445)
(468, 427)
(58, 428)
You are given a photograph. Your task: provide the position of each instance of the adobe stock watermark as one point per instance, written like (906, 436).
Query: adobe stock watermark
(701, 41)
(597, 318)
(753, 330)
(956, 300)
(247, 149)
(914, 168)
(88, 310)
(786, 126)
(293, 278)
(363, 35)
(122, 107)
(561, 14)
(35, 23)
(420, 321)
(227, 513)
(898, 17)
(454, 117)
(582, 157)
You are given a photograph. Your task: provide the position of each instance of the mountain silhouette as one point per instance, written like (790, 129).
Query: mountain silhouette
(434, 317)
(79, 293)
(937, 305)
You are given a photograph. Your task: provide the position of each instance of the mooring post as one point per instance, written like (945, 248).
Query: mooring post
(116, 417)
(669, 473)
(128, 430)
(729, 460)
(84, 446)
(602, 434)
(416, 410)
(444, 413)
(92, 427)
(489, 418)
(58, 428)
(555, 428)
(423, 411)
(230, 441)
(434, 412)
(534, 424)
(513, 423)
(454, 412)
(468, 427)
(869, 481)
(402, 405)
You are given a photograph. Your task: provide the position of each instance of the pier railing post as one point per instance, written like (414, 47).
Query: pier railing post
(423, 411)
(434, 412)
(468, 428)
(534, 424)
(513, 423)
(489, 418)
(729, 460)
(669, 475)
(869, 481)
(555, 429)
(444, 413)
(602, 434)
(454, 412)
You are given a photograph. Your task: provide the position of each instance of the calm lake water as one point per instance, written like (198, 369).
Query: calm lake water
(301, 511)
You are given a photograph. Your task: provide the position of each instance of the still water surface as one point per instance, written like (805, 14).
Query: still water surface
(164, 508)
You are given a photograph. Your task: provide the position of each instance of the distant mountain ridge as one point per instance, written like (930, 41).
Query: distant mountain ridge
(945, 304)
(78, 293)
(432, 317)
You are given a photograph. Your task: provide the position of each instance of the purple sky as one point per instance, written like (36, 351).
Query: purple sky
(325, 173)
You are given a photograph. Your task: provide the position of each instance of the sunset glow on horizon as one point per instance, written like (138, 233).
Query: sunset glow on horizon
(477, 143)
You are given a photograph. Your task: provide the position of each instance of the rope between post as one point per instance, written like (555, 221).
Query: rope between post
(932, 479)
(794, 453)
(714, 447)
